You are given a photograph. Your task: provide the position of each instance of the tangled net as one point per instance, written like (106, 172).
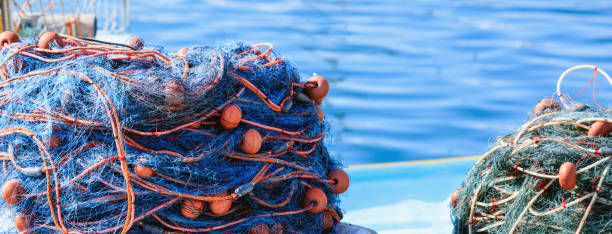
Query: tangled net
(99, 137)
(550, 176)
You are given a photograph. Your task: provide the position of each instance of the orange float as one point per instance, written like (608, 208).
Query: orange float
(176, 93)
(327, 221)
(22, 222)
(12, 191)
(135, 43)
(261, 228)
(454, 197)
(49, 37)
(320, 114)
(8, 37)
(316, 196)
(230, 116)
(600, 128)
(341, 181)
(567, 175)
(251, 141)
(547, 104)
(191, 209)
(220, 207)
(54, 139)
(316, 87)
(143, 171)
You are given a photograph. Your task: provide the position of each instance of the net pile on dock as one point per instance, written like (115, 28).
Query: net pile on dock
(552, 175)
(99, 137)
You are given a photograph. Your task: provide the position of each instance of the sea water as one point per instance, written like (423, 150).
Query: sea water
(410, 79)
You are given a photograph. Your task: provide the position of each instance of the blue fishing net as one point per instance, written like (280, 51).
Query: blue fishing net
(77, 120)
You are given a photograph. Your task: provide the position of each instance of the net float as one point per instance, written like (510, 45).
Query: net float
(135, 43)
(143, 171)
(547, 104)
(176, 93)
(341, 181)
(567, 175)
(251, 141)
(316, 87)
(600, 128)
(220, 207)
(182, 51)
(12, 191)
(327, 221)
(48, 38)
(191, 209)
(316, 196)
(230, 116)
(454, 197)
(8, 37)
(261, 228)
(320, 114)
(22, 222)
(54, 140)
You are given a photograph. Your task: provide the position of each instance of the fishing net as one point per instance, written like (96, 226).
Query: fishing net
(99, 137)
(550, 176)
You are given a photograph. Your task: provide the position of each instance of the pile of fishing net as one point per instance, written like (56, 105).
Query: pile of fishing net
(99, 137)
(550, 176)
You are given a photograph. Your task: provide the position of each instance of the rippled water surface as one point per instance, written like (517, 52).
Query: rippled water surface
(410, 79)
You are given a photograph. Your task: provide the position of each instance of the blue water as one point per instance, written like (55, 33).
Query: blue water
(410, 79)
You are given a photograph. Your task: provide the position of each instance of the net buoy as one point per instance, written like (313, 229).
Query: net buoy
(316, 87)
(567, 175)
(327, 221)
(54, 140)
(135, 43)
(317, 196)
(191, 209)
(231, 116)
(546, 104)
(251, 141)
(144, 171)
(12, 191)
(600, 128)
(48, 38)
(176, 93)
(454, 197)
(220, 207)
(22, 222)
(341, 181)
(8, 37)
(320, 114)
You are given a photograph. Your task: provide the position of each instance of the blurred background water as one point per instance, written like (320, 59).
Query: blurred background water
(410, 79)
